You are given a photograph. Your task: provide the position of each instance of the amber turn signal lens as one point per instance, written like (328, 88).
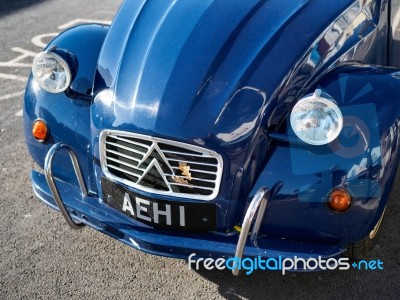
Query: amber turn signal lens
(339, 200)
(40, 130)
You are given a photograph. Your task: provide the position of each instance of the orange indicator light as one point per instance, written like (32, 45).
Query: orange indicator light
(40, 130)
(339, 200)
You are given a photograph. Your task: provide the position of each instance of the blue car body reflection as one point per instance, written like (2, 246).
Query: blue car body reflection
(180, 109)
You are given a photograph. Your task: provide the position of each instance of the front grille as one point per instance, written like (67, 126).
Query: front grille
(160, 166)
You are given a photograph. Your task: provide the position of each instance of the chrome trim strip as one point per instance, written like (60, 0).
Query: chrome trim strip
(158, 146)
(259, 203)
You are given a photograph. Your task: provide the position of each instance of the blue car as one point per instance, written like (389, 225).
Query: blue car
(222, 128)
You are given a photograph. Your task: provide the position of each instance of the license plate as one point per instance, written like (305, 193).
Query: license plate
(159, 213)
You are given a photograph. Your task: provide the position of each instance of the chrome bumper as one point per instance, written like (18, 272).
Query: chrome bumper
(254, 213)
(256, 207)
(53, 188)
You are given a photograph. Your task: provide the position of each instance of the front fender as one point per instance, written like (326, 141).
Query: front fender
(362, 160)
(67, 114)
(84, 42)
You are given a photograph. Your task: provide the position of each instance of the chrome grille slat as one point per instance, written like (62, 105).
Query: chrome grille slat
(122, 147)
(182, 153)
(123, 155)
(192, 162)
(198, 171)
(122, 170)
(192, 187)
(122, 163)
(131, 142)
(158, 166)
(194, 178)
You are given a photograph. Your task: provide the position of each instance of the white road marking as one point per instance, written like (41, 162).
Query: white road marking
(83, 21)
(25, 53)
(16, 65)
(16, 61)
(13, 77)
(38, 40)
(10, 96)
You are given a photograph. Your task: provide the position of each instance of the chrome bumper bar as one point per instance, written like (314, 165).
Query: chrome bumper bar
(256, 207)
(53, 188)
(255, 212)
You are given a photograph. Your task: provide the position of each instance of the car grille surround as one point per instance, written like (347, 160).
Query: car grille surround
(160, 166)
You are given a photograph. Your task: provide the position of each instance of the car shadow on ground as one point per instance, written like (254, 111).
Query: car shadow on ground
(10, 6)
(328, 284)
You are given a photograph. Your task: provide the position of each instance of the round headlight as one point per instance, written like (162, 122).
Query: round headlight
(316, 119)
(51, 72)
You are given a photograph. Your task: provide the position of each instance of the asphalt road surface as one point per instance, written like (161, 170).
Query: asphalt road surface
(40, 257)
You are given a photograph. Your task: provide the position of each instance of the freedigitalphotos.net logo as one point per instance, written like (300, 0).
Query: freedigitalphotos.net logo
(249, 265)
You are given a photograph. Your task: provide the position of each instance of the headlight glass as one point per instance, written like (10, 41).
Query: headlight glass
(316, 119)
(51, 72)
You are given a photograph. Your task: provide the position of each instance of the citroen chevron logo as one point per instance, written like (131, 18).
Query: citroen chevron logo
(154, 164)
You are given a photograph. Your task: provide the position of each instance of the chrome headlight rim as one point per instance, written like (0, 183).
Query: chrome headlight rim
(324, 99)
(50, 54)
